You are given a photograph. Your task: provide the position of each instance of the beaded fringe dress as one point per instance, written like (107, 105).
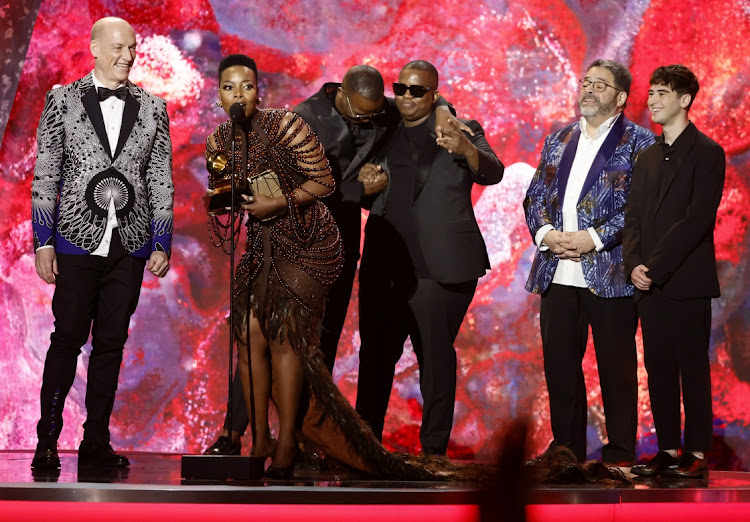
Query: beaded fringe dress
(284, 276)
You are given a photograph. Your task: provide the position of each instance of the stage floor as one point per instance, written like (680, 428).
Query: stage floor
(155, 479)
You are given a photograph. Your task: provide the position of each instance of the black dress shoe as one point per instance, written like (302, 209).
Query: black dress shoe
(98, 455)
(45, 456)
(223, 446)
(689, 467)
(659, 464)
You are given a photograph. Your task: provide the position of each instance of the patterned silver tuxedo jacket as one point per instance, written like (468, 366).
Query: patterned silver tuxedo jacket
(76, 173)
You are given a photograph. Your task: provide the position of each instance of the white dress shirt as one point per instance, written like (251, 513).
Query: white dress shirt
(112, 110)
(570, 273)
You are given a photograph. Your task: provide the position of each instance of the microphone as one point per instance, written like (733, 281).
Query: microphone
(237, 113)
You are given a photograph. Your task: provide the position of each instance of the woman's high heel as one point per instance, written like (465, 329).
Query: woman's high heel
(284, 473)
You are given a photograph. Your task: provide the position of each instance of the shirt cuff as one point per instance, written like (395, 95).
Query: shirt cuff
(43, 247)
(595, 237)
(540, 235)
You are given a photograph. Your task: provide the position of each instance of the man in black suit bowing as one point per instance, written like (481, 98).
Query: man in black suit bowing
(668, 250)
(102, 198)
(423, 255)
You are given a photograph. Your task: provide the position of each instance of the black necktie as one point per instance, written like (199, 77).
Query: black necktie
(104, 93)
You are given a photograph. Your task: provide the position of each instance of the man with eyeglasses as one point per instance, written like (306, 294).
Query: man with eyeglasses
(422, 256)
(352, 120)
(575, 211)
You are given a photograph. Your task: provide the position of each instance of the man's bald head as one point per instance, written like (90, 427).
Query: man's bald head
(107, 25)
(113, 48)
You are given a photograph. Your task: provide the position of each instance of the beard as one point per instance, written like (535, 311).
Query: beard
(599, 109)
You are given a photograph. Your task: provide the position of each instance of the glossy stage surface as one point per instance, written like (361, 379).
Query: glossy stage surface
(152, 489)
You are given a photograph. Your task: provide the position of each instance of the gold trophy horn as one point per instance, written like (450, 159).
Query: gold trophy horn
(217, 161)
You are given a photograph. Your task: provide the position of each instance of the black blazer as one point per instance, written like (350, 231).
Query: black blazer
(673, 234)
(449, 237)
(345, 159)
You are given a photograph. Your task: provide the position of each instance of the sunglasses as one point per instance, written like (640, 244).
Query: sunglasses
(417, 91)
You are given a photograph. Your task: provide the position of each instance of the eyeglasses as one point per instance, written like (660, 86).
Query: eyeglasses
(363, 117)
(599, 85)
(417, 91)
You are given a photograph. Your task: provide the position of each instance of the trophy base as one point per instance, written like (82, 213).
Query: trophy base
(222, 467)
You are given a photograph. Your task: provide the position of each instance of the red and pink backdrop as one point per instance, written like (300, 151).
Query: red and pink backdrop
(513, 66)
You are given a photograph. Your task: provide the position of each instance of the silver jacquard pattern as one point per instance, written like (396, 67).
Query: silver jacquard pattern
(70, 156)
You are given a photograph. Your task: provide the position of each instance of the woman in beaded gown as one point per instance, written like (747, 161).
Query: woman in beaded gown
(293, 254)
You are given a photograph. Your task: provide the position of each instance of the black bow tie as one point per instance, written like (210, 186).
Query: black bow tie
(104, 93)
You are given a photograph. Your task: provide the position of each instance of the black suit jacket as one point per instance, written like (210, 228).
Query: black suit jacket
(345, 159)
(670, 219)
(449, 237)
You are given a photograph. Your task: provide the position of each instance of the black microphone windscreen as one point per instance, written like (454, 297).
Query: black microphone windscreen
(237, 112)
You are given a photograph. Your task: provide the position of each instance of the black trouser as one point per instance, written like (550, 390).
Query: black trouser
(676, 338)
(348, 217)
(89, 289)
(393, 306)
(240, 418)
(565, 315)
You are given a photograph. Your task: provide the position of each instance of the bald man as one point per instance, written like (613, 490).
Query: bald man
(101, 211)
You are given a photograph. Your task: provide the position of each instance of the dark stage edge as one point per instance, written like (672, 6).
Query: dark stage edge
(155, 478)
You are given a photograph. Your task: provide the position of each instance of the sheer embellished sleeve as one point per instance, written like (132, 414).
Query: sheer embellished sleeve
(307, 152)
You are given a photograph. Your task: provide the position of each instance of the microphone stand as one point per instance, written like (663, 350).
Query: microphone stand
(231, 276)
(230, 466)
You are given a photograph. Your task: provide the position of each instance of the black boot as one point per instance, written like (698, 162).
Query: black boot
(99, 455)
(45, 456)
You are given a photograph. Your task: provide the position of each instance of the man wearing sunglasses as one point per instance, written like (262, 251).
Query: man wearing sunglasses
(422, 256)
(352, 120)
(575, 211)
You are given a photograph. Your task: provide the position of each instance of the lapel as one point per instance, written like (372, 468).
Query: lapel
(566, 162)
(666, 177)
(90, 102)
(363, 151)
(332, 130)
(604, 154)
(353, 168)
(129, 116)
(429, 152)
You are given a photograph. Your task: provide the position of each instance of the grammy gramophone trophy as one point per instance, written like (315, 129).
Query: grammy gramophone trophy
(264, 183)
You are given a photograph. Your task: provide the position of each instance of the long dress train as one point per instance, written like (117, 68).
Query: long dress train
(284, 275)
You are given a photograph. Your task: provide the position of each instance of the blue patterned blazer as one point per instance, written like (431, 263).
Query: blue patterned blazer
(76, 173)
(601, 204)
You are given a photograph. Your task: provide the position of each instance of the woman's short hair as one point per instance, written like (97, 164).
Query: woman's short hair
(237, 59)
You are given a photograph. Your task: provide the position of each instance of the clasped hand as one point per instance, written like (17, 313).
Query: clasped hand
(373, 177)
(569, 245)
